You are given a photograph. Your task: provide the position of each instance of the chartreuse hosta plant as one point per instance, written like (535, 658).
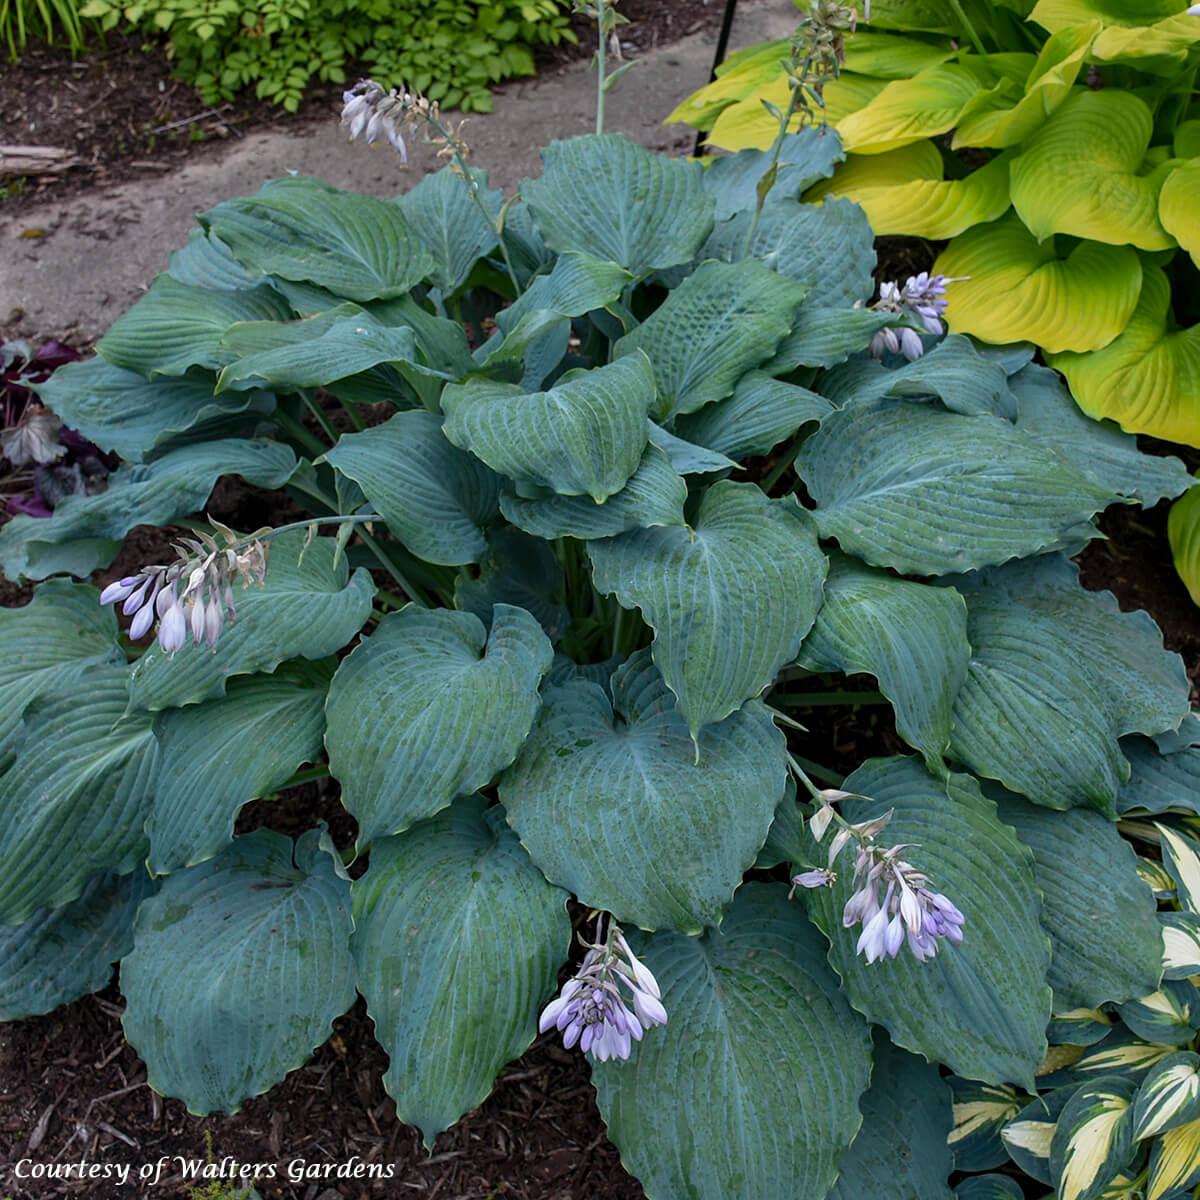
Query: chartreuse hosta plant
(1056, 144)
(633, 487)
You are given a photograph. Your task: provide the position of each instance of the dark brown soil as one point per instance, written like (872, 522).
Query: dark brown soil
(122, 114)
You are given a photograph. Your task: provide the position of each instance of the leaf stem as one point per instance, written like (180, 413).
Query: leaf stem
(307, 775)
(296, 430)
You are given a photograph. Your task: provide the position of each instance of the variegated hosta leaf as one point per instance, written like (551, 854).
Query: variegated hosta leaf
(729, 598)
(761, 413)
(1120, 1053)
(605, 196)
(74, 803)
(1079, 1027)
(583, 437)
(85, 532)
(604, 794)
(447, 221)
(980, 1007)
(910, 636)
(435, 498)
(1181, 944)
(60, 635)
(239, 968)
(1148, 378)
(1048, 85)
(1174, 1161)
(654, 495)
(903, 192)
(980, 1111)
(755, 991)
(1168, 1017)
(1155, 877)
(1169, 1096)
(827, 248)
(901, 1149)
(1177, 205)
(720, 322)
(1028, 1136)
(60, 954)
(1080, 174)
(1105, 939)
(216, 756)
(174, 326)
(989, 1187)
(1011, 288)
(929, 492)
(132, 416)
(1093, 1138)
(1047, 412)
(309, 607)
(457, 938)
(1181, 857)
(298, 228)
(422, 712)
(1183, 531)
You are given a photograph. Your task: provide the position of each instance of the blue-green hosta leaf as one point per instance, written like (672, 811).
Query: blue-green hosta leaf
(312, 352)
(1181, 857)
(85, 532)
(929, 492)
(980, 1007)
(954, 371)
(583, 437)
(1169, 1096)
(826, 336)
(447, 221)
(238, 969)
(1167, 1017)
(1105, 940)
(1174, 1161)
(576, 285)
(206, 262)
(719, 323)
(60, 954)
(1032, 711)
(827, 248)
(902, 1149)
(729, 598)
(421, 712)
(1093, 1139)
(654, 495)
(910, 636)
(980, 1111)
(358, 247)
(77, 794)
(121, 411)
(777, 1058)
(605, 196)
(761, 413)
(436, 499)
(457, 938)
(605, 794)
(989, 1187)
(1181, 944)
(174, 326)
(520, 570)
(216, 756)
(687, 457)
(1098, 448)
(309, 607)
(804, 157)
(56, 638)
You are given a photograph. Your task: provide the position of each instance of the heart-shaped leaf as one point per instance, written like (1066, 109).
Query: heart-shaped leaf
(1177, 204)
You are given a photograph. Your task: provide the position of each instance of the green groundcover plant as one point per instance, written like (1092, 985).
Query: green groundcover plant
(453, 50)
(623, 534)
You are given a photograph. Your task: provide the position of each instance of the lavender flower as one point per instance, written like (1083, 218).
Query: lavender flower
(591, 1011)
(923, 298)
(369, 110)
(1194, 10)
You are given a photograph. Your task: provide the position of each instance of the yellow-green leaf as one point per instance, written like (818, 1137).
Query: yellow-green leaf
(739, 76)
(1187, 139)
(1183, 530)
(1174, 1160)
(1154, 35)
(1079, 173)
(1179, 206)
(1148, 379)
(894, 56)
(903, 192)
(1048, 85)
(1014, 289)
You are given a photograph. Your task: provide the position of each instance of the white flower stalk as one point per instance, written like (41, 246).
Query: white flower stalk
(591, 1010)
(192, 595)
(923, 299)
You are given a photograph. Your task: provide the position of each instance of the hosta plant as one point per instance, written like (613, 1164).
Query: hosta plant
(602, 488)
(1056, 145)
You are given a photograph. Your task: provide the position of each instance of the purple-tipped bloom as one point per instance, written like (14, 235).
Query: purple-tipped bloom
(370, 111)
(923, 298)
(817, 877)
